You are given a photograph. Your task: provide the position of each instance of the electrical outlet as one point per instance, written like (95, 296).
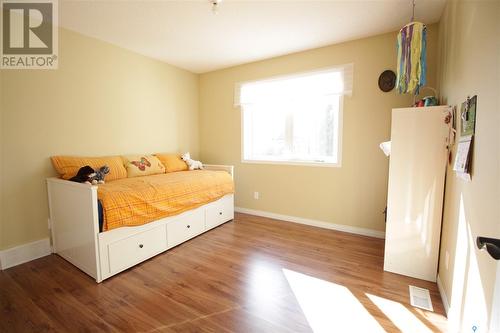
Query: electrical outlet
(446, 259)
(256, 195)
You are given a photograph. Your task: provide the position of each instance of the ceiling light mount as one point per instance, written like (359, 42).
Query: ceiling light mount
(215, 6)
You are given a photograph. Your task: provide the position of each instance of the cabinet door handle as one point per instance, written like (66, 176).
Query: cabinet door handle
(188, 226)
(141, 246)
(220, 213)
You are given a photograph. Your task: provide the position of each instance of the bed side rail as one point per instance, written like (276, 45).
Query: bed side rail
(74, 223)
(217, 167)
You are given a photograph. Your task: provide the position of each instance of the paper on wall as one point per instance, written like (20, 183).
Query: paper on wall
(462, 158)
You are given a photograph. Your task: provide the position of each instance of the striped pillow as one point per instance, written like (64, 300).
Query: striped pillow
(68, 166)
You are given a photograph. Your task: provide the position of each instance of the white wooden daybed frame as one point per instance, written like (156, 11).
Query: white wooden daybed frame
(74, 224)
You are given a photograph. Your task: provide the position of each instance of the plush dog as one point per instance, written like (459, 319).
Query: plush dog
(192, 164)
(100, 174)
(85, 175)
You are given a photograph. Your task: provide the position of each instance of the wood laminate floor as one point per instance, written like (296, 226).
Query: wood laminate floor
(251, 275)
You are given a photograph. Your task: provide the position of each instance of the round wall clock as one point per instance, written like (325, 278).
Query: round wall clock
(387, 80)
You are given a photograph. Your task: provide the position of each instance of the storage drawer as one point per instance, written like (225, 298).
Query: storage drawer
(219, 212)
(134, 249)
(187, 226)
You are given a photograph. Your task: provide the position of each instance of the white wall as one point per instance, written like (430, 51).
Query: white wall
(470, 65)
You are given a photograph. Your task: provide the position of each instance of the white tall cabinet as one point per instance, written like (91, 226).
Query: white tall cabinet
(416, 186)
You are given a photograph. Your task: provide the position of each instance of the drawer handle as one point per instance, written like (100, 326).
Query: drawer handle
(141, 246)
(188, 226)
(220, 213)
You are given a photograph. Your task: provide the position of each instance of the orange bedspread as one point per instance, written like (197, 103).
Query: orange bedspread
(139, 200)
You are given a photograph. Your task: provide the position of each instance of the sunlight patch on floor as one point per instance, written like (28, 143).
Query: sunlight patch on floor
(399, 315)
(330, 307)
(265, 284)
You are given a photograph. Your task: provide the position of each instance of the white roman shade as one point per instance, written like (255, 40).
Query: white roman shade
(332, 81)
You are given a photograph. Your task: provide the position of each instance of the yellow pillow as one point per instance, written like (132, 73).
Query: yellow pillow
(142, 165)
(68, 166)
(172, 162)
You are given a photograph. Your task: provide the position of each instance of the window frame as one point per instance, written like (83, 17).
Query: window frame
(337, 164)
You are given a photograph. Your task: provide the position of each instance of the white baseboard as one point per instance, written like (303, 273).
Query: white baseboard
(315, 223)
(444, 299)
(24, 253)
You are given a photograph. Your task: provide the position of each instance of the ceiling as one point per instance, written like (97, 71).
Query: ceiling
(188, 35)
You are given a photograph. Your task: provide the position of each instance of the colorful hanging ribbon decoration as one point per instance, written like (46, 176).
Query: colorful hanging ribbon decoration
(411, 48)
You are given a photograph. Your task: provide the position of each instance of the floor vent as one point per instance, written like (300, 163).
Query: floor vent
(420, 298)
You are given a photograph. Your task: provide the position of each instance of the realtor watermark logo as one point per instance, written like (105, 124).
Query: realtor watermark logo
(29, 34)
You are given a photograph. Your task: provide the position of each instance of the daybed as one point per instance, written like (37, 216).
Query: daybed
(105, 229)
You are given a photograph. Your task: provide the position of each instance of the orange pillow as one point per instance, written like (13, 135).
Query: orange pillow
(172, 162)
(68, 166)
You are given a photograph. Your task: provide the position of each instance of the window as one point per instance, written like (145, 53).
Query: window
(294, 119)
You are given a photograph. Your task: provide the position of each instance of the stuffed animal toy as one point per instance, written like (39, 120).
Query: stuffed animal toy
(192, 164)
(100, 174)
(85, 175)
(90, 176)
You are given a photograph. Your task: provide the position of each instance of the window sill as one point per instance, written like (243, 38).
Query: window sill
(296, 163)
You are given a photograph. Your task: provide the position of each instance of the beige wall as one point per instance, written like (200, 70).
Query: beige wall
(354, 194)
(470, 65)
(102, 100)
